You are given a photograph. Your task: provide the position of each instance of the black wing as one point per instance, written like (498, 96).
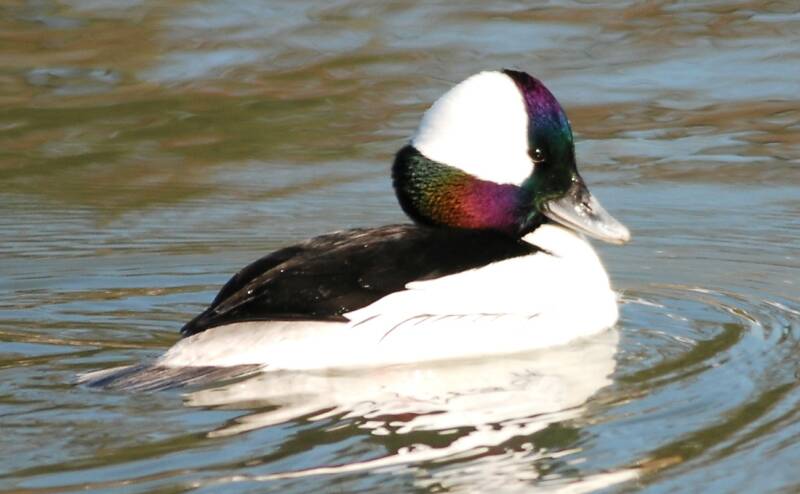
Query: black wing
(327, 276)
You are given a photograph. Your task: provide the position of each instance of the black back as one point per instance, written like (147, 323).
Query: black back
(330, 275)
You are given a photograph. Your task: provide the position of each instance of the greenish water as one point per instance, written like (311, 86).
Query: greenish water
(150, 149)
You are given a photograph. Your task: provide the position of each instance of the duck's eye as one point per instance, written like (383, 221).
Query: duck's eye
(536, 155)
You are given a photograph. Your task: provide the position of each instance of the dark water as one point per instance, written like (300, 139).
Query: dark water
(149, 149)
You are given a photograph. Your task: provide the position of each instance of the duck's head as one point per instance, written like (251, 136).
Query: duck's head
(496, 152)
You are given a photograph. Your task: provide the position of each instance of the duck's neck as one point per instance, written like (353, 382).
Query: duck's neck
(572, 249)
(436, 194)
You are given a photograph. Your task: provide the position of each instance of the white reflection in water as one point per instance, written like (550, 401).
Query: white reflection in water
(481, 403)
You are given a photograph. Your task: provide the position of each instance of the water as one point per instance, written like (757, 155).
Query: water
(149, 149)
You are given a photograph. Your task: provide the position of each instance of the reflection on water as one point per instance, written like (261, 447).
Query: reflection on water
(471, 408)
(149, 149)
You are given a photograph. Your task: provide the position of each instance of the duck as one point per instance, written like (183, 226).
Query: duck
(494, 261)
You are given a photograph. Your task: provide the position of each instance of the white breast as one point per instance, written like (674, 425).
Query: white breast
(567, 274)
(544, 299)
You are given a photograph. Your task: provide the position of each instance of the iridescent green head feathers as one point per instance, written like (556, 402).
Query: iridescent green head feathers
(496, 152)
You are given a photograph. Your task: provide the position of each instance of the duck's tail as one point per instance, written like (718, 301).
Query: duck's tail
(150, 377)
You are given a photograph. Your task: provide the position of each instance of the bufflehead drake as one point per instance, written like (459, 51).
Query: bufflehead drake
(494, 262)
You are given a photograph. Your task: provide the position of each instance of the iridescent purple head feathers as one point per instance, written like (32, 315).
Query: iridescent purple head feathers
(496, 152)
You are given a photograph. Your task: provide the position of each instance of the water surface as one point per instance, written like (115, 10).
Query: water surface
(150, 149)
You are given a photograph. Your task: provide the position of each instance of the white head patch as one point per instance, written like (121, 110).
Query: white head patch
(481, 127)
